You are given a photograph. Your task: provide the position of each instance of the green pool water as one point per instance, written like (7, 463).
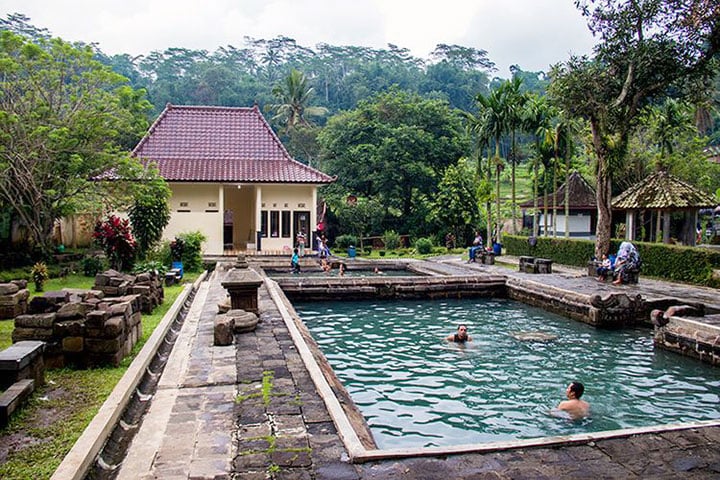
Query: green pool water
(417, 390)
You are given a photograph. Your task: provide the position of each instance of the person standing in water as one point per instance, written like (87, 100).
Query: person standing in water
(461, 336)
(575, 407)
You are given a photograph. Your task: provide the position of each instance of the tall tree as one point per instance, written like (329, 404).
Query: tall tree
(61, 118)
(646, 48)
(294, 95)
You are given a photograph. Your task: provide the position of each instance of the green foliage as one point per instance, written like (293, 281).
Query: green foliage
(669, 262)
(424, 246)
(114, 237)
(92, 265)
(394, 149)
(391, 239)
(149, 214)
(192, 251)
(39, 275)
(62, 120)
(455, 207)
(344, 241)
(150, 266)
(361, 217)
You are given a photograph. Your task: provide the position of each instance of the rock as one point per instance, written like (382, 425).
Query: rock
(223, 331)
(533, 336)
(224, 306)
(243, 321)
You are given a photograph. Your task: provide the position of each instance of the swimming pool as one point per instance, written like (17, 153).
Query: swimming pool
(415, 390)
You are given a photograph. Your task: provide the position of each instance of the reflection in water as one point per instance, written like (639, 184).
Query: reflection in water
(416, 390)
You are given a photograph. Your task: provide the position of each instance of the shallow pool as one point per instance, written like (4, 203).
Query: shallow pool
(334, 273)
(417, 390)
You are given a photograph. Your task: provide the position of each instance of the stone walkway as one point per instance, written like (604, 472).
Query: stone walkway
(250, 411)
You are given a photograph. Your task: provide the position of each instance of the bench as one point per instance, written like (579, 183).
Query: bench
(12, 398)
(22, 360)
(535, 265)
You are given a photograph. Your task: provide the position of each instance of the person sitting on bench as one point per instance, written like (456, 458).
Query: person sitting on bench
(477, 246)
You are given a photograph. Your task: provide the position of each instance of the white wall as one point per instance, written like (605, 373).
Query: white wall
(196, 207)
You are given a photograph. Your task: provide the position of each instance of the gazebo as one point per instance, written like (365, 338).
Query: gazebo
(658, 196)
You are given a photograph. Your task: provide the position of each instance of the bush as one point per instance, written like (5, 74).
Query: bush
(670, 262)
(114, 237)
(381, 253)
(391, 239)
(344, 241)
(192, 252)
(149, 266)
(92, 265)
(424, 246)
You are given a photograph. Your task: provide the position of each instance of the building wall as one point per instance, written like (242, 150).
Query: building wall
(578, 225)
(196, 207)
(285, 198)
(202, 207)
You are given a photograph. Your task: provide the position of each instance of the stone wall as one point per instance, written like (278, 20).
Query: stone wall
(13, 298)
(90, 327)
(677, 331)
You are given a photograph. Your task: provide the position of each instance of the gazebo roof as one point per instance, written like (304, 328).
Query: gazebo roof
(582, 195)
(662, 191)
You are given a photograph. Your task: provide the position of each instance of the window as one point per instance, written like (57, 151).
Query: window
(263, 223)
(274, 223)
(286, 224)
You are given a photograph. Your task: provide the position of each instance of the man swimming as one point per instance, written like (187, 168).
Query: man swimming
(575, 407)
(461, 336)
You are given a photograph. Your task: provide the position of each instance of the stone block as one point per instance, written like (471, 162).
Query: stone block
(22, 360)
(96, 318)
(104, 346)
(13, 299)
(73, 311)
(223, 330)
(100, 359)
(73, 344)
(38, 320)
(113, 327)
(49, 302)
(13, 398)
(21, 334)
(8, 289)
(242, 321)
(71, 328)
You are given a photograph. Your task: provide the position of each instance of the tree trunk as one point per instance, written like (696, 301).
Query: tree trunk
(514, 200)
(536, 192)
(603, 194)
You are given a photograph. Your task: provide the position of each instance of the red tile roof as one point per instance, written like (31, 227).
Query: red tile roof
(221, 144)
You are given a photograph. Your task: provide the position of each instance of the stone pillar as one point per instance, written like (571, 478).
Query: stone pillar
(242, 284)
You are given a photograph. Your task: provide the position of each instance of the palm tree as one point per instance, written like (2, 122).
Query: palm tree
(294, 95)
(515, 104)
(494, 109)
(536, 116)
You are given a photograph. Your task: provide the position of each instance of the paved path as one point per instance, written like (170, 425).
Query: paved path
(250, 411)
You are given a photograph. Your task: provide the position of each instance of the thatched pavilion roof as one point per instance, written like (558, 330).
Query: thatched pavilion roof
(582, 195)
(662, 191)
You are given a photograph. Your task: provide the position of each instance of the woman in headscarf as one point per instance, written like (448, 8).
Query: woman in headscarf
(628, 260)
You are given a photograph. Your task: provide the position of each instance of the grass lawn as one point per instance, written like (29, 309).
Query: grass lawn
(41, 434)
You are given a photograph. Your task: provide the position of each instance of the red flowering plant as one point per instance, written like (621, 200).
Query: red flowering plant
(114, 236)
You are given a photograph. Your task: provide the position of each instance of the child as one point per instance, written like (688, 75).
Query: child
(295, 262)
(604, 268)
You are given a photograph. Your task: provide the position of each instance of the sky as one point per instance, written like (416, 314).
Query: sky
(533, 34)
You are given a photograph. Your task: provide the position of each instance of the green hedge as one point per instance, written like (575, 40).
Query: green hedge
(670, 262)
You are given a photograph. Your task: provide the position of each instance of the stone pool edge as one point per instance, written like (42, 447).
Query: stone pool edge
(358, 453)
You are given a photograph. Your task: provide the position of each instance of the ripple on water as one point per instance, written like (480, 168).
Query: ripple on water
(415, 389)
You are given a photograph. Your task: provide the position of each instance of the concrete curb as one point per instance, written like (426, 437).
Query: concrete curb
(79, 459)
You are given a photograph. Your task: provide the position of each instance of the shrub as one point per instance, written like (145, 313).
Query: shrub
(149, 266)
(39, 274)
(114, 237)
(424, 246)
(381, 253)
(391, 239)
(92, 264)
(192, 251)
(344, 241)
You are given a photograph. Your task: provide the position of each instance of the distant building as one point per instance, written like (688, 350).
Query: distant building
(582, 218)
(231, 178)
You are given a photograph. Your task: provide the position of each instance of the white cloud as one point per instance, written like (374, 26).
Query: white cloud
(530, 33)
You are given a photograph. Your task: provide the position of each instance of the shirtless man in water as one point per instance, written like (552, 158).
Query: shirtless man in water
(575, 407)
(461, 336)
